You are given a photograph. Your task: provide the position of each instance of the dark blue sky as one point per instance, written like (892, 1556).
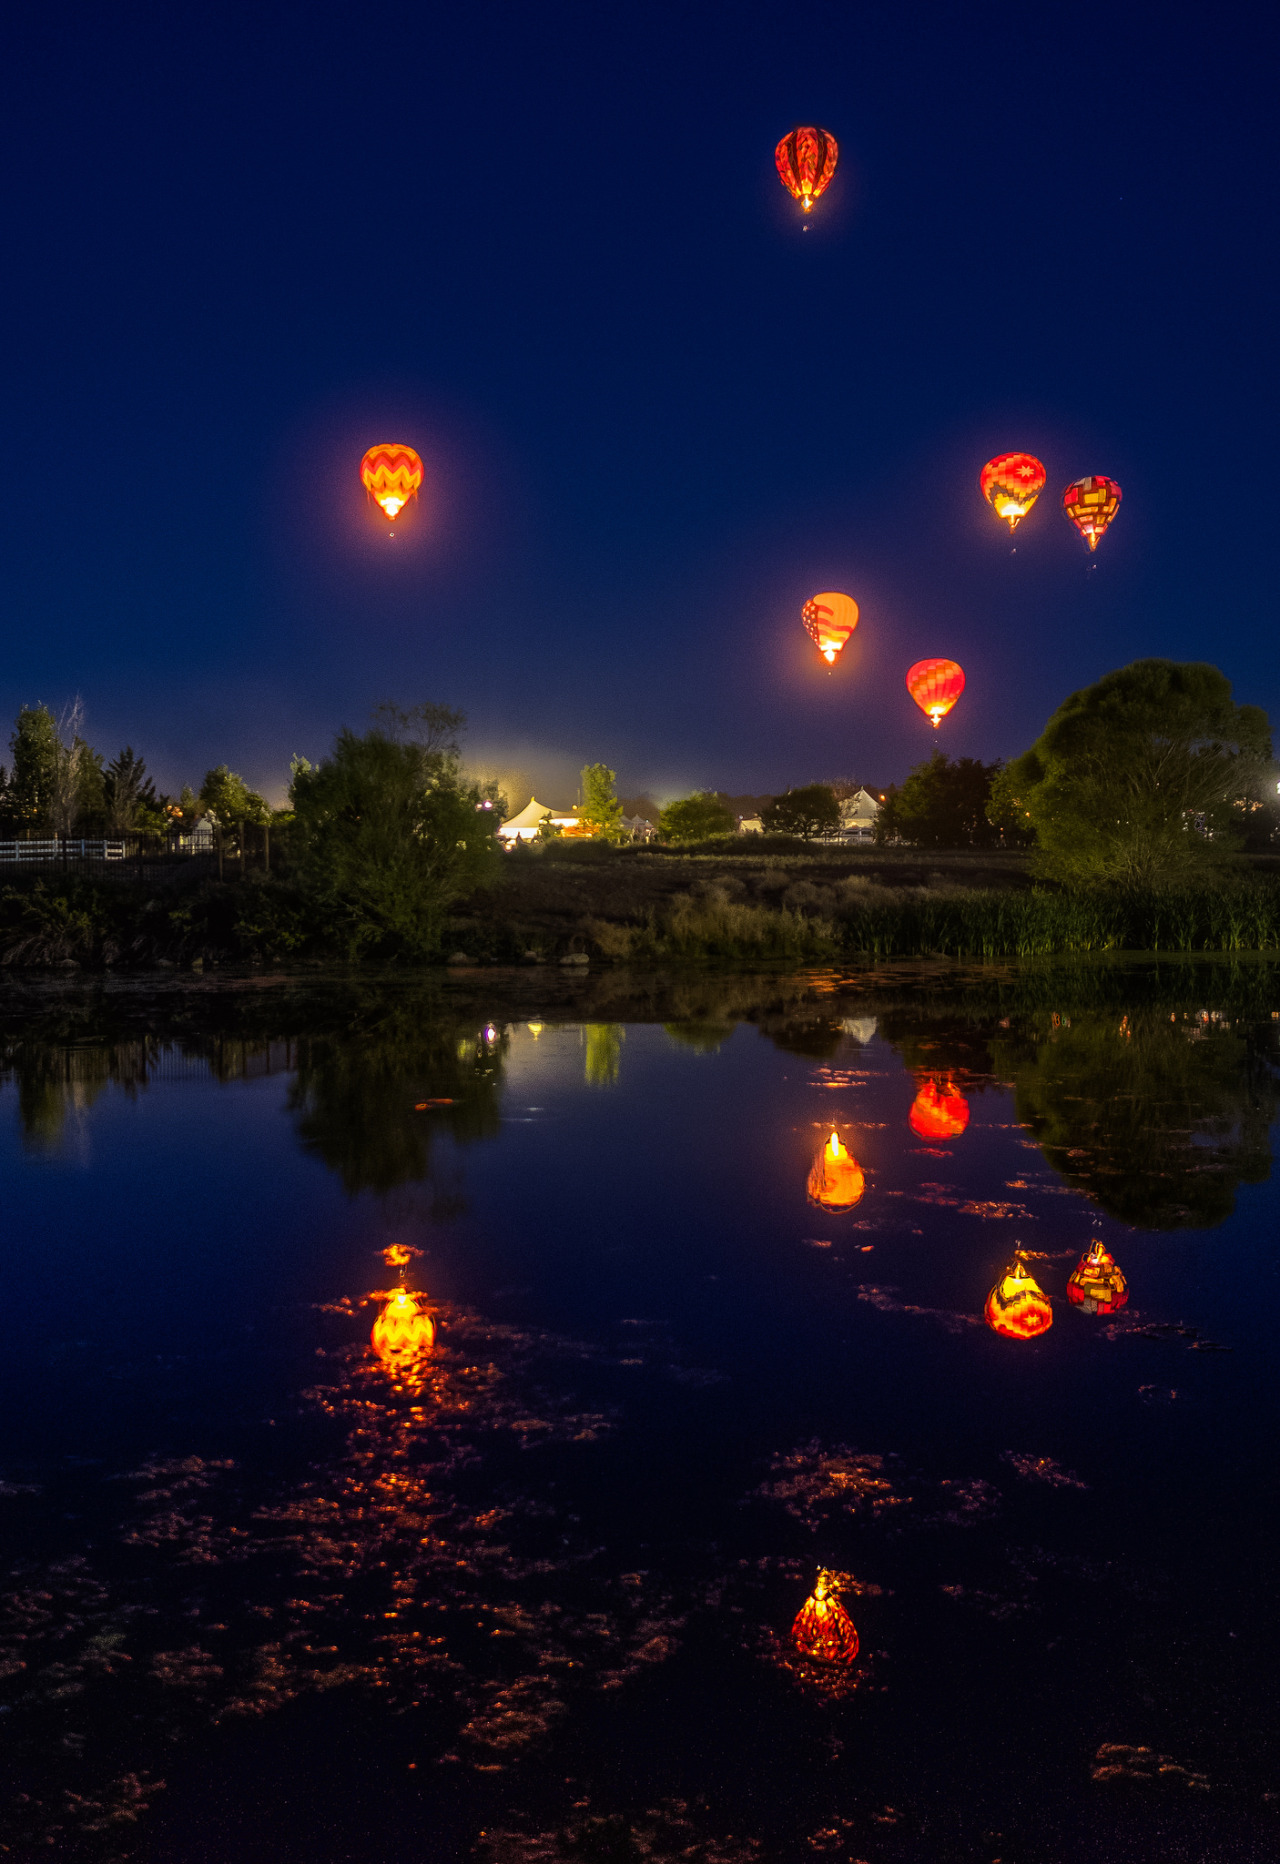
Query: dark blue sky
(547, 246)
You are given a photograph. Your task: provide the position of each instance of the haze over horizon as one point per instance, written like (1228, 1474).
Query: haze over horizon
(550, 251)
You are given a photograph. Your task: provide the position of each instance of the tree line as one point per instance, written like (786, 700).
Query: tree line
(56, 783)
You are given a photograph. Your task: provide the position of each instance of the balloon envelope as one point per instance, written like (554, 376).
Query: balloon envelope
(1011, 483)
(1096, 1284)
(836, 1180)
(938, 1112)
(806, 161)
(1091, 504)
(823, 1630)
(391, 474)
(935, 685)
(1017, 1306)
(830, 619)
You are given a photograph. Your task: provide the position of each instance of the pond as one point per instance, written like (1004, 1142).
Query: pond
(429, 1404)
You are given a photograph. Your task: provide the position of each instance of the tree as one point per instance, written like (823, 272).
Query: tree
(34, 746)
(228, 798)
(941, 805)
(808, 811)
(695, 818)
(601, 811)
(388, 834)
(130, 795)
(1142, 779)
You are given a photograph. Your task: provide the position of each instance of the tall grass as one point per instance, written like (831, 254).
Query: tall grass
(711, 926)
(1237, 918)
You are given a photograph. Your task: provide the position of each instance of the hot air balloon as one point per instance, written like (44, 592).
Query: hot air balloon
(830, 619)
(935, 685)
(823, 1630)
(1011, 483)
(1096, 1285)
(1091, 504)
(837, 1180)
(1017, 1306)
(939, 1112)
(402, 1331)
(391, 474)
(806, 161)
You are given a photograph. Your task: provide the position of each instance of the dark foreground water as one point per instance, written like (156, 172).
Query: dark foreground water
(270, 1597)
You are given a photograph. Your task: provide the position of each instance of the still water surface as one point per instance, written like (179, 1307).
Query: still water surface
(529, 1593)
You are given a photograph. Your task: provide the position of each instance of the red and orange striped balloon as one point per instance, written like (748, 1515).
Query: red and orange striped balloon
(935, 685)
(391, 474)
(806, 161)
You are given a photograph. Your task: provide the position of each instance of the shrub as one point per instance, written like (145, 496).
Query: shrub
(387, 835)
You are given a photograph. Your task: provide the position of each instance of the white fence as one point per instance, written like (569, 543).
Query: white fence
(60, 848)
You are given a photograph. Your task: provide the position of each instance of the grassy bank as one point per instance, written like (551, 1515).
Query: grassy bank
(691, 909)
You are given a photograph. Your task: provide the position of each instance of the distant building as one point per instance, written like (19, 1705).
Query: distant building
(858, 816)
(750, 825)
(639, 827)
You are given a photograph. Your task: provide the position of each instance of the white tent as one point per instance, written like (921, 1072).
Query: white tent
(524, 827)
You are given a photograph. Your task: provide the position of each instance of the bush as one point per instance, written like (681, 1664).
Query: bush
(809, 811)
(387, 835)
(696, 818)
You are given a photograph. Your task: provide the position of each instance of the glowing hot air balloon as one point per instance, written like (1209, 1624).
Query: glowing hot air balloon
(402, 1331)
(837, 1180)
(806, 161)
(1096, 1284)
(823, 1630)
(830, 619)
(1011, 483)
(1091, 504)
(935, 685)
(1017, 1306)
(391, 474)
(938, 1112)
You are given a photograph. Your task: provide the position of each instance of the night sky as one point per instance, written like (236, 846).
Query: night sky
(546, 245)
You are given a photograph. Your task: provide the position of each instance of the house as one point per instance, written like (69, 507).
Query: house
(858, 816)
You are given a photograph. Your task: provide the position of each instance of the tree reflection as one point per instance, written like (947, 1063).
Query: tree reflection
(604, 1053)
(360, 1098)
(1157, 1115)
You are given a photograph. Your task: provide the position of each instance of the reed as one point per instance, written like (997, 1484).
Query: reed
(1041, 923)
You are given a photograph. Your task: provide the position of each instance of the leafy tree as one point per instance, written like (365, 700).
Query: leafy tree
(129, 795)
(941, 805)
(34, 745)
(695, 818)
(601, 811)
(388, 833)
(56, 784)
(1142, 778)
(228, 798)
(808, 811)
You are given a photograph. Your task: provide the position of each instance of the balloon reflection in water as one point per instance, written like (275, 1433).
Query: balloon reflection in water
(1017, 1306)
(939, 1112)
(836, 1180)
(403, 1332)
(1096, 1285)
(823, 1630)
